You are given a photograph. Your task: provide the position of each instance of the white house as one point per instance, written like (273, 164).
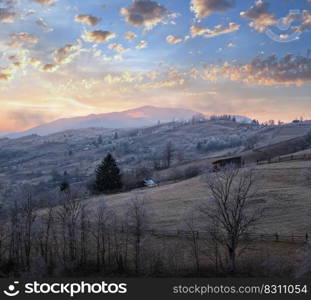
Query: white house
(150, 183)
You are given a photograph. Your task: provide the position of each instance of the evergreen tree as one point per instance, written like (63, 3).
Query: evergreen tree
(108, 176)
(64, 186)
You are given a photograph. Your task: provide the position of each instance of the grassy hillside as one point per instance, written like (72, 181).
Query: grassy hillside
(280, 189)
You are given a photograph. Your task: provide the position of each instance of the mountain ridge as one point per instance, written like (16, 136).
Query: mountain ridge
(137, 117)
(132, 118)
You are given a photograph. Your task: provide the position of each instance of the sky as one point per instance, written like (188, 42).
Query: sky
(66, 58)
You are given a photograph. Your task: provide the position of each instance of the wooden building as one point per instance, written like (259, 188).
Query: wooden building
(235, 161)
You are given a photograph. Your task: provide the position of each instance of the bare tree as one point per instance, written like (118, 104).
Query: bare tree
(138, 219)
(45, 227)
(84, 236)
(69, 214)
(120, 241)
(214, 246)
(28, 217)
(3, 234)
(15, 243)
(22, 216)
(101, 234)
(232, 207)
(168, 154)
(192, 227)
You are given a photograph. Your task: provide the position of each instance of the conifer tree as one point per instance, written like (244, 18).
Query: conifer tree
(64, 186)
(108, 176)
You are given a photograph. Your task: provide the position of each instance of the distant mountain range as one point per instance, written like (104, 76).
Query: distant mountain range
(138, 117)
(133, 118)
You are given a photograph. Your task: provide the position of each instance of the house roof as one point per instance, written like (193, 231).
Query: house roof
(149, 181)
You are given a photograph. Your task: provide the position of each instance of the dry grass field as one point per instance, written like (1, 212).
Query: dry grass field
(280, 189)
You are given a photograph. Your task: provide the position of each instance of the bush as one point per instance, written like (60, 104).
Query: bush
(135, 178)
(191, 172)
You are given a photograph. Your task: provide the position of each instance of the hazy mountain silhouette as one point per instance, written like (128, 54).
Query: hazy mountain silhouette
(138, 117)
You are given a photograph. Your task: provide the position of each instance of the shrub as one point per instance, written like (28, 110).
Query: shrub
(192, 171)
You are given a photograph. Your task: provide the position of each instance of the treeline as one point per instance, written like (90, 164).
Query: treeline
(70, 238)
(221, 142)
(75, 239)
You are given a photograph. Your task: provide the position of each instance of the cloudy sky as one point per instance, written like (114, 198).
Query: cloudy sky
(63, 58)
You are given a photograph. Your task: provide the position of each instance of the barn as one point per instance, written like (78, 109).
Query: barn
(235, 161)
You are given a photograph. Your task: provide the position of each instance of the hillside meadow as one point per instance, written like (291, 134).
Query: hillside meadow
(280, 189)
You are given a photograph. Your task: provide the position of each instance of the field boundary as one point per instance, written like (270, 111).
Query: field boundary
(275, 237)
(284, 159)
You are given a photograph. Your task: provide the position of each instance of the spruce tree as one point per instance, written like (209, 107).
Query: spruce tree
(108, 176)
(64, 186)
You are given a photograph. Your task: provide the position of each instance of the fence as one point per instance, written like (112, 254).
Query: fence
(275, 237)
(305, 156)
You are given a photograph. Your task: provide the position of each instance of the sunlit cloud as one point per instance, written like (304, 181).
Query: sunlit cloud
(142, 45)
(45, 2)
(5, 76)
(217, 30)
(171, 39)
(197, 30)
(289, 70)
(259, 16)
(49, 68)
(87, 19)
(221, 29)
(204, 8)
(7, 17)
(130, 36)
(98, 36)
(15, 44)
(306, 21)
(117, 47)
(35, 62)
(146, 13)
(66, 54)
(304, 18)
(25, 37)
